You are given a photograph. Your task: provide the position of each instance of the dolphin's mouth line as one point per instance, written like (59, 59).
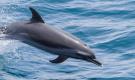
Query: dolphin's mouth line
(95, 62)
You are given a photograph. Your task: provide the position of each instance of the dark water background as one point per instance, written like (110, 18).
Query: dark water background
(107, 26)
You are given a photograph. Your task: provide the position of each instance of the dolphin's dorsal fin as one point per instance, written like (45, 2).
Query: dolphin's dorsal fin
(35, 16)
(59, 59)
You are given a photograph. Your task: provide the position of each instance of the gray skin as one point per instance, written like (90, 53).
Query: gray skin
(51, 39)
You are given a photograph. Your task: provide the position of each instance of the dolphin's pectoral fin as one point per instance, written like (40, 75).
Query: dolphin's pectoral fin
(59, 59)
(35, 16)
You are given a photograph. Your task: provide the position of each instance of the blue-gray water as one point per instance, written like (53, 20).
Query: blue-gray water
(107, 26)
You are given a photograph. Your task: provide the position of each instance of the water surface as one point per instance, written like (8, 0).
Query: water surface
(107, 26)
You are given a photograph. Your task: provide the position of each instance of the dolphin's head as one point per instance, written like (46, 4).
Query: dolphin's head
(86, 54)
(90, 57)
(92, 60)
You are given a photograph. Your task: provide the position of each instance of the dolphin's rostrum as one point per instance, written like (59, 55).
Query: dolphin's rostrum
(38, 34)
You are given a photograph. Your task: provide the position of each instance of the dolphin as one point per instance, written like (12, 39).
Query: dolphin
(37, 33)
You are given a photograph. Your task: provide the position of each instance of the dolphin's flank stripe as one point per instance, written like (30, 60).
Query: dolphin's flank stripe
(51, 44)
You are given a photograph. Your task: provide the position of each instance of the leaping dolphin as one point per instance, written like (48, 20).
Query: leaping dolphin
(38, 34)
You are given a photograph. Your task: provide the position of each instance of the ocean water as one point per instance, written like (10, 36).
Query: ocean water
(107, 26)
